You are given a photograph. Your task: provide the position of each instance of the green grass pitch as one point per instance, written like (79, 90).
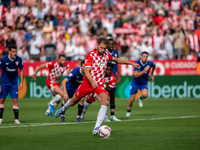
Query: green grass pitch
(163, 124)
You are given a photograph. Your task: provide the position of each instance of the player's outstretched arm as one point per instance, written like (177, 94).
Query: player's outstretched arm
(89, 77)
(122, 61)
(37, 70)
(21, 79)
(65, 96)
(118, 74)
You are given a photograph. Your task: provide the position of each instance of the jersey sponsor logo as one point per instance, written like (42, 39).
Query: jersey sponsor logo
(78, 81)
(101, 64)
(11, 70)
(16, 62)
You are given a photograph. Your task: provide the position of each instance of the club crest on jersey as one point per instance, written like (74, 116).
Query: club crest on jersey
(70, 74)
(115, 55)
(16, 62)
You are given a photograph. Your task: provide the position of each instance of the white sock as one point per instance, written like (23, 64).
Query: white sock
(48, 110)
(85, 108)
(67, 105)
(55, 99)
(54, 105)
(101, 115)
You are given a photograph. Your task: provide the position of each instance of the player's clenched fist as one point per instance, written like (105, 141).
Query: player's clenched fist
(136, 65)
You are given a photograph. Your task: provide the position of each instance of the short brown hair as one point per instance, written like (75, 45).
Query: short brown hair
(102, 40)
(12, 47)
(61, 55)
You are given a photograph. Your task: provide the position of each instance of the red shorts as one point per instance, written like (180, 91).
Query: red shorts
(85, 88)
(91, 97)
(51, 85)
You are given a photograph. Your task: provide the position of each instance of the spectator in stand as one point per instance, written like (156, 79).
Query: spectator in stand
(178, 41)
(28, 34)
(10, 40)
(193, 41)
(9, 16)
(157, 39)
(176, 6)
(23, 53)
(109, 26)
(109, 3)
(79, 52)
(84, 24)
(19, 38)
(134, 52)
(162, 53)
(149, 49)
(69, 50)
(169, 44)
(60, 45)
(124, 51)
(118, 23)
(50, 51)
(191, 55)
(35, 48)
(160, 18)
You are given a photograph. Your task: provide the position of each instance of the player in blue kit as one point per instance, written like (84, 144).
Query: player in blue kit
(114, 53)
(9, 66)
(140, 79)
(70, 85)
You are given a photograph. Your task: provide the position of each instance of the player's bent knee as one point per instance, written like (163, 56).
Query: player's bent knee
(105, 102)
(144, 95)
(2, 101)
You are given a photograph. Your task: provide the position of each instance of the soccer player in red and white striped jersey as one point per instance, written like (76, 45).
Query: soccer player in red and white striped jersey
(93, 81)
(56, 70)
(110, 84)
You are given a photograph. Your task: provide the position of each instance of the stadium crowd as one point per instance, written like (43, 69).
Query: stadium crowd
(43, 29)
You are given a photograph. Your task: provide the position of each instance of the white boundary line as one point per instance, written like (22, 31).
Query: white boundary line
(51, 124)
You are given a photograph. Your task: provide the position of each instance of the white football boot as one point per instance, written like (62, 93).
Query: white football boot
(113, 118)
(128, 114)
(17, 121)
(140, 102)
(106, 119)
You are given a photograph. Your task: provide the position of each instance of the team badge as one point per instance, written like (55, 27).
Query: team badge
(16, 62)
(115, 55)
(70, 74)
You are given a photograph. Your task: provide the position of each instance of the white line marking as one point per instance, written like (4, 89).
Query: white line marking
(51, 124)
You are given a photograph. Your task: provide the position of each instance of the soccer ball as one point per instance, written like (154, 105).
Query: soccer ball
(104, 131)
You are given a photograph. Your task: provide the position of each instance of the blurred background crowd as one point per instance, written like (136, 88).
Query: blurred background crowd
(43, 29)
